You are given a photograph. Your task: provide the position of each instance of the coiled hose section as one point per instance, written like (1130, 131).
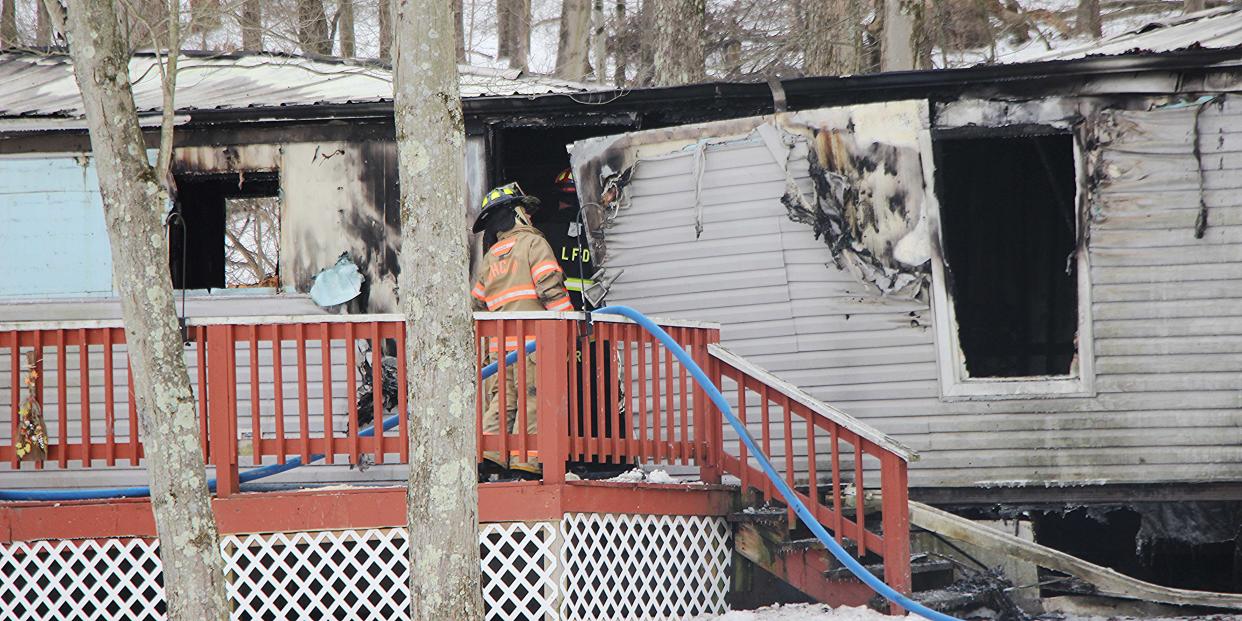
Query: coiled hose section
(246, 476)
(807, 518)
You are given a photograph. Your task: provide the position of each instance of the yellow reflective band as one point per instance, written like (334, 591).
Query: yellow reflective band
(578, 284)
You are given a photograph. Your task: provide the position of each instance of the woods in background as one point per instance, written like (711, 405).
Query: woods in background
(638, 42)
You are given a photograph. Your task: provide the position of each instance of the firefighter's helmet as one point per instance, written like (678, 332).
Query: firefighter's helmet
(565, 182)
(506, 196)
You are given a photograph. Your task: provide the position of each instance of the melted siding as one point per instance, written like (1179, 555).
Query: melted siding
(1167, 312)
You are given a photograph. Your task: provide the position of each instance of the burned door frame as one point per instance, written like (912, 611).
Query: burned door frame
(955, 381)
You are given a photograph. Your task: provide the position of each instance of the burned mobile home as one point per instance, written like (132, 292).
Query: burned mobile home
(1029, 273)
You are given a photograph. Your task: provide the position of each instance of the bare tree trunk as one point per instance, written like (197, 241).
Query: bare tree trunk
(1192, 6)
(8, 24)
(599, 41)
(43, 25)
(251, 22)
(829, 38)
(1089, 18)
(434, 283)
(133, 200)
(897, 51)
(621, 50)
(459, 31)
(385, 29)
(513, 31)
(313, 35)
(345, 28)
(678, 42)
(574, 40)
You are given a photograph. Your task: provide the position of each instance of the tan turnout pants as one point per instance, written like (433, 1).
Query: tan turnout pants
(491, 411)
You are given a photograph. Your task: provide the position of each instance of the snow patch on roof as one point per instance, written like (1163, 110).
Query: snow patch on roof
(42, 85)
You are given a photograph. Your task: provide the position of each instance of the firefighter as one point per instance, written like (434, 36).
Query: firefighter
(518, 273)
(566, 233)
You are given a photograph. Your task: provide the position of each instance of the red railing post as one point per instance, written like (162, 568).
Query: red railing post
(710, 433)
(552, 365)
(220, 395)
(895, 518)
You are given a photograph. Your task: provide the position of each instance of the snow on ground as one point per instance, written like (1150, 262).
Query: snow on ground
(802, 612)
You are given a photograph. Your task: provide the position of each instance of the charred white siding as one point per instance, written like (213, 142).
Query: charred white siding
(1166, 307)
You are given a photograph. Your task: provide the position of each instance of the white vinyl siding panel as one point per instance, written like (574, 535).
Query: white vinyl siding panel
(1167, 312)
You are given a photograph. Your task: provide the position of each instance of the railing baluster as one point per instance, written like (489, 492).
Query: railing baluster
(859, 508)
(84, 390)
(278, 385)
(201, 358)
(502, 387)
(626, 375)
(325, 347)
(591, 427)
(789, 453)
(765, 415)
(132, 405)
(743, 457)
(377, 390)
(894, 493)
(520, 384)
(834, 438)
(15, 374)
(109, 399)
(643, 432)
(62, 406)
(351, 382)
(403, 390)
(480, 344)
(671, 412)
(576, 446)
(303, 406)
(812, 484)
(599, 407)
(683, 446)
(256, 430)
(38, 389)
(657, 421)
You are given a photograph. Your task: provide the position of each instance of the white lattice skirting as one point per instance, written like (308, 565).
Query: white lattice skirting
(587, 567)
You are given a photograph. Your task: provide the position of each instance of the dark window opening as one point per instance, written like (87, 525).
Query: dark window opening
(228, 232)
(534, 156)
(1007, 214)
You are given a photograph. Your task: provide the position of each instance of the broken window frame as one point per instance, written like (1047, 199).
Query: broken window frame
(955, 381)
(269, 175)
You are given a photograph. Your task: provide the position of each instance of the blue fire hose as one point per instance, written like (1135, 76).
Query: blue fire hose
(820, 532)
(247, 476)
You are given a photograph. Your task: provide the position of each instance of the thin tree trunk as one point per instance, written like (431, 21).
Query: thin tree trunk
(385, 29)
(599, 41)
(8, 24)
(313, 36)
(1089, 18)
(43, 25)
(345, 28)
(459, 31)
(897, 39)
(133, 201)
(1192, 6)
(678, 46)
(574, 40)
(434, 284)
(513, 32)
(828, 38)
(251, 22)
(621, 50)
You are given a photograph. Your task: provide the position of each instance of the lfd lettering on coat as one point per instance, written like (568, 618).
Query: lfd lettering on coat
(571, 254)
(500, 268)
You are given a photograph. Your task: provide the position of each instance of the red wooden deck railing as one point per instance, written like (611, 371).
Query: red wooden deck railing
(271, 389)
